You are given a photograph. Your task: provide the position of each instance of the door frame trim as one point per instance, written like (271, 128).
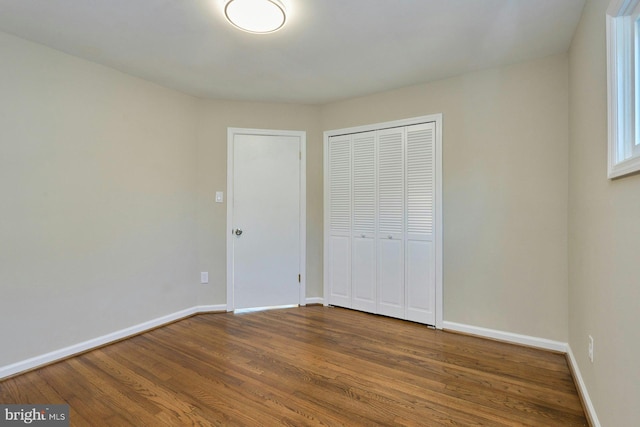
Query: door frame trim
(437, 119)
(231, 132)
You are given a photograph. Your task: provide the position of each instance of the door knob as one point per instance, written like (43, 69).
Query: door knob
(237, 231)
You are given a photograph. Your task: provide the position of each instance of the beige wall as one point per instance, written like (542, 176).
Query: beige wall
(214, 119)
(97, 200)
(505, 137)
(109, 183)
(107, 211)
(604, 238)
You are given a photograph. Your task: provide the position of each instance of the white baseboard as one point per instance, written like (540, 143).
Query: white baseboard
(218, 308)
(582, 389)
(506, 336)
(539, 343)
(63, 353)
(34, 362)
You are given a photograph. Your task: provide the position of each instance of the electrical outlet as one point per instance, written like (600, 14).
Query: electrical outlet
(204, 277)
(591, 348)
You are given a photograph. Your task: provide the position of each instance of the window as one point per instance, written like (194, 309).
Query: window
(623, 70)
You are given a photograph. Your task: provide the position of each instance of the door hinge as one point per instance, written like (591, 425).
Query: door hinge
(299, 279)
(300, 154)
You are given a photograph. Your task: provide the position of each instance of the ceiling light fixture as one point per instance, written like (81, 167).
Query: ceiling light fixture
(256, 16)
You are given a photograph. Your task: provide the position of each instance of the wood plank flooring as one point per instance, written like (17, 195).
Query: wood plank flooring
(306, 366)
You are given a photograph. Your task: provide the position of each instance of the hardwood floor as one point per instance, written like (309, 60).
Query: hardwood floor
(306, 366)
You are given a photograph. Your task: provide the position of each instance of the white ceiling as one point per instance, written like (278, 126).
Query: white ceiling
(328, 50)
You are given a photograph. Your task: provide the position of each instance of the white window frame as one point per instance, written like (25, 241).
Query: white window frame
(623, 71)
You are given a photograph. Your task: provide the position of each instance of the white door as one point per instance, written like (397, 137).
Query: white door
(383, 219)
(391, 213)
(339, 221)
(420, 239)
(265, 220)
(364, 222)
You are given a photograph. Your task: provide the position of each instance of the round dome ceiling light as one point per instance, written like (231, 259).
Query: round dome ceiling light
(256, 16)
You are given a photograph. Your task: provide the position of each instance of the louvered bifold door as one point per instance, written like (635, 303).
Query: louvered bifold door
(390, 236)
(339, 162)
(363, 250)
(420, 241)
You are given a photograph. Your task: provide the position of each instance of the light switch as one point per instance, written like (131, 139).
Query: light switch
(219, 197)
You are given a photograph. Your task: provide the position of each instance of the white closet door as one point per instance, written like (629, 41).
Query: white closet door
(420, 241)
(391, 205)
(340, 221)
(363, 274)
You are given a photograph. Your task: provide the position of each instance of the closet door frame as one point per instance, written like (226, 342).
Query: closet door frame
(438, 231)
